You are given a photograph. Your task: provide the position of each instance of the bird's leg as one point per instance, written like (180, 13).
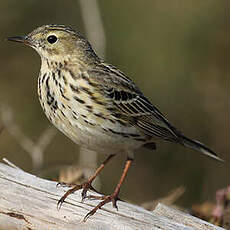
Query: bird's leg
(86, 185)
(113, 197)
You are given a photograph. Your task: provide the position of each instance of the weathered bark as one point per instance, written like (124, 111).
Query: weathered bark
(29, 202)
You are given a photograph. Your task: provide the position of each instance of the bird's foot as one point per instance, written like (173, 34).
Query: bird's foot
(84, 186)
(105, 199)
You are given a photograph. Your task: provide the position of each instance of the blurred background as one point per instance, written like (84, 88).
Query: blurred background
(177, 52)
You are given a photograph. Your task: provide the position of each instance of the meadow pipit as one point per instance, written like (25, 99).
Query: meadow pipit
(96, 105)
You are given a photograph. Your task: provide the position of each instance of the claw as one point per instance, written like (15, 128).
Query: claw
(58, 184)
(59, 203)
(114, 201)
(105, 199)
(83, 194)
(89, 214)
(63, 184)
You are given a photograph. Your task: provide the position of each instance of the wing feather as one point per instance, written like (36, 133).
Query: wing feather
(131, 103)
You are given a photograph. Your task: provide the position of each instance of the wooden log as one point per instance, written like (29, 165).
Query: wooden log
(29, 202)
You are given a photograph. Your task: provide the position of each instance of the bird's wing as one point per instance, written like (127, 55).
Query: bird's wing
(130, 104)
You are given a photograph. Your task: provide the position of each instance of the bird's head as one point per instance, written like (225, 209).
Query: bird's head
(57, 42)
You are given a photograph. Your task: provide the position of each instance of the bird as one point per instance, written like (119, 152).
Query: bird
(96, 105)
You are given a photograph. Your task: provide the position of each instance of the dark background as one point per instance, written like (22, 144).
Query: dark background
(177, 52)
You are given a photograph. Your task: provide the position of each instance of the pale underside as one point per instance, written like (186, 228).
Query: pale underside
(83, 122)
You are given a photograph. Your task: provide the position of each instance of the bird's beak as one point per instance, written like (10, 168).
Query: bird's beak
(21, 39)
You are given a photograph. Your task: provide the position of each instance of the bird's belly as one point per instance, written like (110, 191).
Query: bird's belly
(97, 138)
(84, 122)
(102, 136)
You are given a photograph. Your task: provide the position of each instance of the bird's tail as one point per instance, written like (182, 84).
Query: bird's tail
(196, 145)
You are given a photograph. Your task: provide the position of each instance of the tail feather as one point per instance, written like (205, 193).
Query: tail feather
(196, 145)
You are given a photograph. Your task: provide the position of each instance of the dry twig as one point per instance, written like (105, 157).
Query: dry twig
(35, 150)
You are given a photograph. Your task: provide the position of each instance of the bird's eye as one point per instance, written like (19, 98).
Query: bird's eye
(52, 39)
